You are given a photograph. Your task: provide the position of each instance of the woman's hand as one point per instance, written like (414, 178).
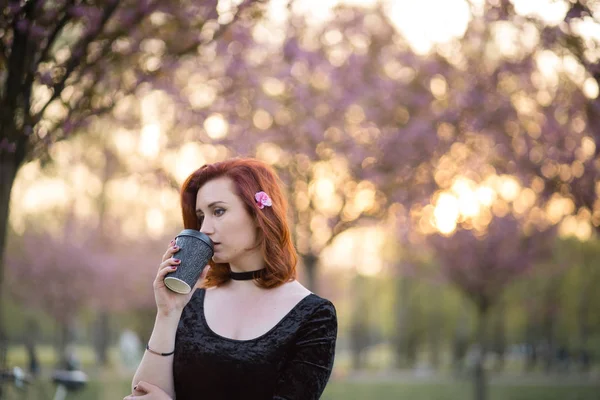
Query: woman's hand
(167, 301)
(147, 391)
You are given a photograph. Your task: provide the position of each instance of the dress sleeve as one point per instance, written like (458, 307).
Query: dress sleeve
(309, 366)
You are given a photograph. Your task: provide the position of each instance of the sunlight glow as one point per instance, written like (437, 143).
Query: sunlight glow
(45, 194)
(273, 87)
(485, 195)
(269, 153)
(364, 198)
(426, 23)
(201, 95)
(446, 213)
(124, 141)
(577, 226)
(155, 222)
(552, 11)
(358, 249)
(509, 188)
(262, 119)
(319, 11)
(216, 126)
(467, 199)
(590, 88)
(588, 147)
(149, 140)
(558, 207)
(189, 158)
(325, 198)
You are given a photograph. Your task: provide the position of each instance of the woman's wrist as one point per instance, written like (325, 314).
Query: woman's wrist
(158, 353)
(168, 315)
(165, 328)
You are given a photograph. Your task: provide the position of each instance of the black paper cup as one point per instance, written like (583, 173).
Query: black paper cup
(195, 251)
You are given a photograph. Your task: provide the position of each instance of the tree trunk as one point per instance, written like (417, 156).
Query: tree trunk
(102, 337)
(402, 317)
(67, 356)
(103, 319)
(359, 331)
(479, 378)
(8, 171)
(583, 313)
(499, 335)
(531, 339)
(461, 340)
(411, 347)
(435, 329)
(31, 339)
(549, 350)
(550, 322)
(310, 266)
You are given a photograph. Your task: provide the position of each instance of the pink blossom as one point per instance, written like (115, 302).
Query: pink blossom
(263, 199)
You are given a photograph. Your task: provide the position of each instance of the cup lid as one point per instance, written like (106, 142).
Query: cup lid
(197, 235)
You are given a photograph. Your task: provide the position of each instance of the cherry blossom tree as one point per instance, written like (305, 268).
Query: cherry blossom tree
(343, 111)
(63, 63)
(81, 268)
(483, 265)
(550, 137)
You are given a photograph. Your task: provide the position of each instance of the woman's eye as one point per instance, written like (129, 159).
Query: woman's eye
(218, 212)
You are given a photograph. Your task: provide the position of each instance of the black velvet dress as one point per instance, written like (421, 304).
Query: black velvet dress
(292, 361)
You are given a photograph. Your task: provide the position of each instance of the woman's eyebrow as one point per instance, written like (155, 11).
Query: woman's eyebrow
(211, 204)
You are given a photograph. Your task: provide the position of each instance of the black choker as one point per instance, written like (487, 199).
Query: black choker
(246, 276)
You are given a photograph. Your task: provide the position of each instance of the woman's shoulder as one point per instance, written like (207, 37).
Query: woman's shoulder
(315, 305)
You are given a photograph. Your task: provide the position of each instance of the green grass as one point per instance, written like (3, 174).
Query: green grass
(17, 355)
(453, 391)
(339, 390)
(110, 385)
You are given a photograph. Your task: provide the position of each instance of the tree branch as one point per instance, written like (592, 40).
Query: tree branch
(222, 28)
(3, 54)
(76, 59)
(57, 29)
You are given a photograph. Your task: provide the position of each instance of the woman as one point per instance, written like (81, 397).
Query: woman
(249, 330)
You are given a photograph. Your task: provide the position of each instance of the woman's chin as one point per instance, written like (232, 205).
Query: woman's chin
(219, 260)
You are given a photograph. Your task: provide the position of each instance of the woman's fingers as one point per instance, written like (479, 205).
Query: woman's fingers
(173, 248)
(169, 265)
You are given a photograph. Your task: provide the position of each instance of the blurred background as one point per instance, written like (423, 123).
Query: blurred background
(440, 158)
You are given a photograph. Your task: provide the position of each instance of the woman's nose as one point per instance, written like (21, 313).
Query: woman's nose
(206, 227)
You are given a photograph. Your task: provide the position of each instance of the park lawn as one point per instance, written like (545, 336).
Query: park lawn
(341, 390)
(113, 386)
(454, 391)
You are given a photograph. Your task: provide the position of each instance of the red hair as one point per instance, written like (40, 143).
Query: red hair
(249, 177)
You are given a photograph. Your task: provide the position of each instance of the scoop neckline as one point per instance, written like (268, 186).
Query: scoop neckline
(203, 295)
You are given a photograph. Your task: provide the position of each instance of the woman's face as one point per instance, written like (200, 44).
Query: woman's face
(225, 220)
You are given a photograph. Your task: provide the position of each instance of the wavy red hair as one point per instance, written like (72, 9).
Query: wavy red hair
(249, 176)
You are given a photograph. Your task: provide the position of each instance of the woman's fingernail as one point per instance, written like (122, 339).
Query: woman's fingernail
(173, 266)
(175, 247)
(177, 260)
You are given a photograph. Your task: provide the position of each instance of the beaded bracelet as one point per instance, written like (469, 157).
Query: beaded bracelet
(157, 353)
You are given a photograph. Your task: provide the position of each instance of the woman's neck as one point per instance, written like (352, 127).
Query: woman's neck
(251, 262)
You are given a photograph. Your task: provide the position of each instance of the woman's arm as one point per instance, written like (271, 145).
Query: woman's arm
(155, 368)
(308, 369)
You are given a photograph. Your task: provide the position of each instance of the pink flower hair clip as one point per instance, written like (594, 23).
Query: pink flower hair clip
(262, 200)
